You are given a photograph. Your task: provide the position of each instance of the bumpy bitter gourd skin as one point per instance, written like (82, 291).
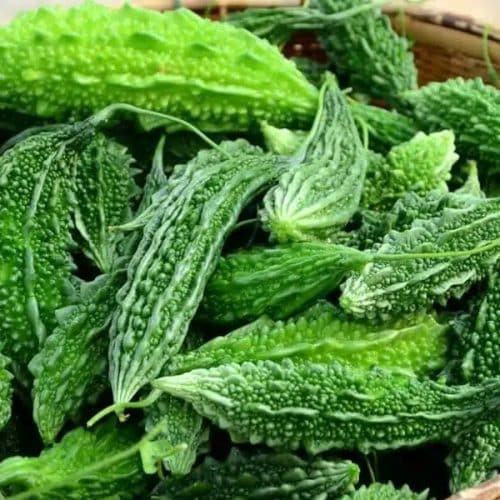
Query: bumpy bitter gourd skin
(5, 392)
(323, 334)
(468, 107)
(276, 281)
(182, 427)
(177, 254)
(174, 62)
(35, 190)
(321, 193)
(262, 475)
(474, 456)
(380, 491)
(367, 52)
(409, 284)
(85, 464)
(420, 165)
(70, 368)
(320, 407)
(103, 190)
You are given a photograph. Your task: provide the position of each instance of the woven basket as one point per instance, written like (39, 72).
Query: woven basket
(446, 45)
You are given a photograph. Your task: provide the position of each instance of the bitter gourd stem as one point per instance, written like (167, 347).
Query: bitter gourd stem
(106, 113)
(119, 407)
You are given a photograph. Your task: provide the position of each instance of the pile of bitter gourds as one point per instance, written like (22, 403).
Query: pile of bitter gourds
(225, 274)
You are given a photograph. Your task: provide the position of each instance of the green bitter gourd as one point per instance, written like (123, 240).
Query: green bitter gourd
(387, 289)
(319, 407)
(320, 193)
(420, 165)
(181, 243)
(468, 107)
(262, 475)
(276, 281)
(35, 205)
(323, 334)
(175, 62)
(71, 367)
(103, 191)
(96, 464)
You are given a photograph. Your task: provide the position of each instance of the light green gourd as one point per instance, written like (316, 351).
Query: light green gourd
(319, 194)
(262, 475)
(174, 62)
(103, 191)
(86, 464)
(467, 241)
(468, 107)
(323, 334)
(318, 407)
(420, 165)
(380, 491)
(277, 281)
(181, 243)
(5, 392)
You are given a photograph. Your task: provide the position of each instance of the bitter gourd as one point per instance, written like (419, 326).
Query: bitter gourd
(320, 193)
(420, 165)
(468, 107)
(173, 261)
(474, 456)
(175, 62)
(319, 407)
(367, 52)
(380, 491)
(103, 190)
(183, 429)
(262, 475)
(70, 368)
(276, 281)
(5, 392)
(102, 463)
(323, 334)
(35, 189)
(386, 289)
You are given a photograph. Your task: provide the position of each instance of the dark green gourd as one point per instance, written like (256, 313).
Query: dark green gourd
(468, 107)
(319, 407)
(262, 475)
(380, 491)
(276, 281)
(35, 205)
(178, 252)
(174, 62)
